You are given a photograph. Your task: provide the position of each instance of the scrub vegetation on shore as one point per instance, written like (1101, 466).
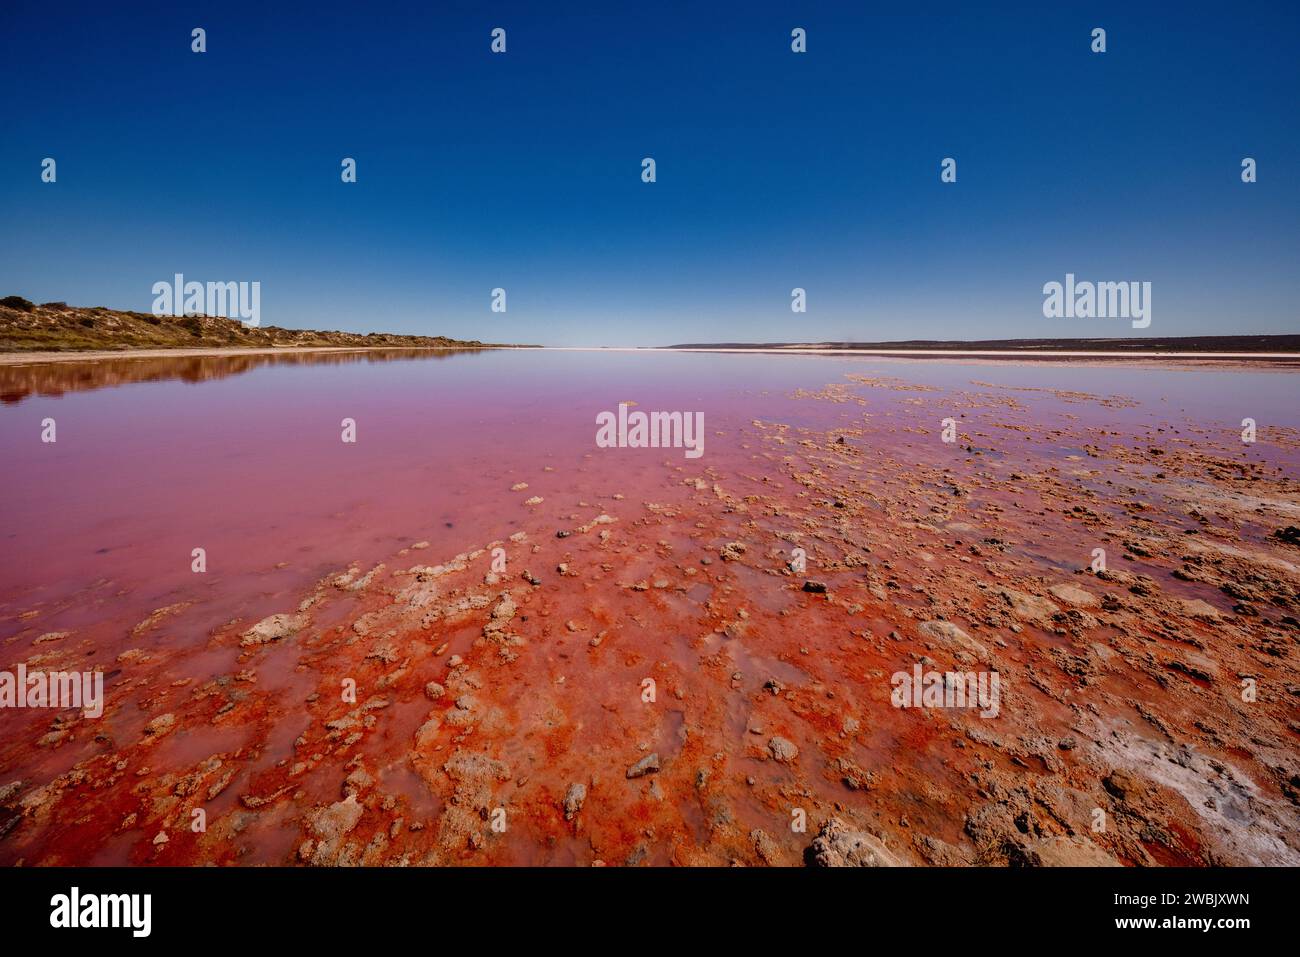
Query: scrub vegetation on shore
(58, 327)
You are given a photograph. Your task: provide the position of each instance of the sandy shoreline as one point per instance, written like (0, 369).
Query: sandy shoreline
(28, 358)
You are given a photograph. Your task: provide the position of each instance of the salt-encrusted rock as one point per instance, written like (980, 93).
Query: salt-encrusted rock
(647, 765)
(330, 825)
(1196, 608)
(574, 799)
(274, 628)
(1029, 608)
(838, 845)
(1074, 595)
(732, 551)
(1065, 851)
(782, 750)
(947, 633)
(766, 848)
(160, 725)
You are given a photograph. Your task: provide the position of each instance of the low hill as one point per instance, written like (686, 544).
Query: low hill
(58, 327)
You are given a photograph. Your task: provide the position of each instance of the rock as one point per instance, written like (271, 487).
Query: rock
(433, 691)
(601, 519)
(273, 628)
(782, 750)
(574, 799)
(1125, 786)
(330, 825)
(946, 633)
(765, 847)
(426, 735)
(1290, 535)
(732, 551)
(1196, 608)
(358, 781)
(53, 738)
(735, 629)
(475, 776)
(816, 588)
(838, 845)
(160, 725)
(647, 765)
(1074, 595)
(1029, 608)
(854, 777)
(1065, 851)
(505, 609)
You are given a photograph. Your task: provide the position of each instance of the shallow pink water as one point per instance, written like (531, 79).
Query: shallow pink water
(251, 467)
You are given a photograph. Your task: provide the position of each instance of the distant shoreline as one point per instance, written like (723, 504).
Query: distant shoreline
(1263, 345)
(994, 353)
(1256, 361)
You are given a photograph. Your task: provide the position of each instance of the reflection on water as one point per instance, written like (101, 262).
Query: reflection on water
(18, 382)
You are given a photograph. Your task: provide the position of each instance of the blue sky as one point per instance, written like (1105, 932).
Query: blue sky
(775, 170)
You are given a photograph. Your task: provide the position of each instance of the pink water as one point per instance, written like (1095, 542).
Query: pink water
(98, 528)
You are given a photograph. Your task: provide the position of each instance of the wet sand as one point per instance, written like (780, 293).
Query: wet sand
(504, 716)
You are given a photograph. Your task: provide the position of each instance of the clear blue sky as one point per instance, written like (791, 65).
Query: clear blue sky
(775, 170)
